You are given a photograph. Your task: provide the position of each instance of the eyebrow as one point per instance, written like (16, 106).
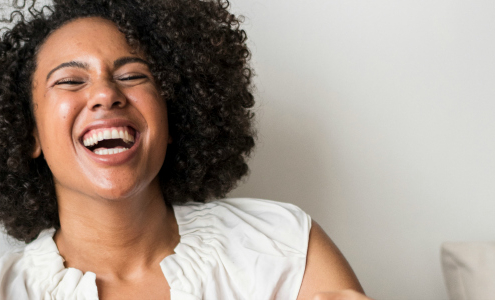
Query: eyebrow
(116, 64)
(73, 64)
(127, 60)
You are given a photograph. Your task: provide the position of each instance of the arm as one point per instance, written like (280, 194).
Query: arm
(327, 270)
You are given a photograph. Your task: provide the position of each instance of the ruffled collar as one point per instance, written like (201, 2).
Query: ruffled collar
(45, 263)
(58, 282)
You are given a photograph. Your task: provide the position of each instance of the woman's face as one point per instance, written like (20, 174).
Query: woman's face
(101, 122)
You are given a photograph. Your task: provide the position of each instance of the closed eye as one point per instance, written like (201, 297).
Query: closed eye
(134, 77)
(69, 81)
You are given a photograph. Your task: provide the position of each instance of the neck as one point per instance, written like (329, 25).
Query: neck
(116, 238)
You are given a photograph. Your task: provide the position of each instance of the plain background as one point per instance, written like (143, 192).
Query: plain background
(377, 118)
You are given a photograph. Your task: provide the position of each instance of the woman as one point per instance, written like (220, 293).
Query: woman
(117, 120)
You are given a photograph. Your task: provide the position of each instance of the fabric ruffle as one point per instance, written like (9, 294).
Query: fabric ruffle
(38, 272)
(238, 249)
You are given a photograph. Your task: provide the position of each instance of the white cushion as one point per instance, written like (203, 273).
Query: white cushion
(469, 270)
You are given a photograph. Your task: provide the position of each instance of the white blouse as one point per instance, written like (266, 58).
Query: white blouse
(229, 249)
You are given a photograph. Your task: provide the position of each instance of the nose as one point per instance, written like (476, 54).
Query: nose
(106, 95)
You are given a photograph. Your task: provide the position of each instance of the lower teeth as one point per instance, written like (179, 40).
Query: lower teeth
(110, 151)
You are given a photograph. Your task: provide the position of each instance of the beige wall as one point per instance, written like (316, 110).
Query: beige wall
(378, 118)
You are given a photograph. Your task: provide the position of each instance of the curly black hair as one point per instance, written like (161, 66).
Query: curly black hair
(199, 58)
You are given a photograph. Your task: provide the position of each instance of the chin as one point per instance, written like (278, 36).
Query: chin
(115, 192)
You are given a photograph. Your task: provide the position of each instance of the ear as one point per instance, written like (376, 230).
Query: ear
(37, 146)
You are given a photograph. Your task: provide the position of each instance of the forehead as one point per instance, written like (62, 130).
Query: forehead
(83, 38)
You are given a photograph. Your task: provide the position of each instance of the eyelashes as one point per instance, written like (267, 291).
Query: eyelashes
(134, 77)
(69, 81)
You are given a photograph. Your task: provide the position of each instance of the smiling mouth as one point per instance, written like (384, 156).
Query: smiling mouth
(111, 140)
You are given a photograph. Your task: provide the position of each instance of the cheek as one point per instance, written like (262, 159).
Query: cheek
(152, 108)
(161, 116)
(55, 120)
(64, 110)
(158, 125)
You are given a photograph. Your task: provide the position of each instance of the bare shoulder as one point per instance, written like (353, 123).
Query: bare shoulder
(326, 267)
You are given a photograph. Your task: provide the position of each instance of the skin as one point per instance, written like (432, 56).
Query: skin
(114, 221)
(328, 275)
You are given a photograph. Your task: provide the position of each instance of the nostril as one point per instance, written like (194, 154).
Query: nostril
(100, 104)
(106, 95)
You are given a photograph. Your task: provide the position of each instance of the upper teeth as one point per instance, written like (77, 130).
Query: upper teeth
(94, 136)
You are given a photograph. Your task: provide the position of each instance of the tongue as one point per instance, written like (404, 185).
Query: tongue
(109, 144)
